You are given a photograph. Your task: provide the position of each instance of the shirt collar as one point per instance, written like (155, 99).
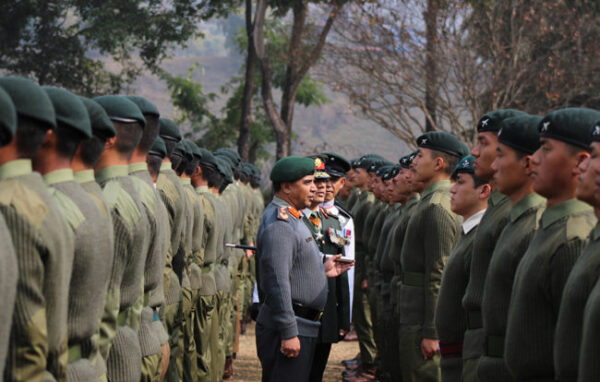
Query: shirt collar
(472, 221)
(527, 202)
(165, 166)
(112, 172)
(441, 184)
(562, 209)
(138, 166)
(202, 189)
(186, 181)
(496, 197)
(84, 176)
(58, 176)
(280, 202)
(328, 204)
(15, 168)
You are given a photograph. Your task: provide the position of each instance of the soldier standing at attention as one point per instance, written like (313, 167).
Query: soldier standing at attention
(569, 325)
(8, 260)
(518, 139)
(131, 230)
(495, 219)
(292, 276)
(469, 200)
(42, 241)
(555, 246)
(88, 224)
(432, 233)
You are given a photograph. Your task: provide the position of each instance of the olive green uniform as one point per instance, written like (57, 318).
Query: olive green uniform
(589, 369)
(8, 286)
(432, 233)
(512, 244)
(538, 288)
(44, 248)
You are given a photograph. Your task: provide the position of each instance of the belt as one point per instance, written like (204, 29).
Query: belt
(495, 346)
(413, 278)
(307, 313)
(122, 318)
(451, 349)
(74, 353)
(474, 320)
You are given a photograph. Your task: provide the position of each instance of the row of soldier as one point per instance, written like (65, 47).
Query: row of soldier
(480, 267)
(113, 263)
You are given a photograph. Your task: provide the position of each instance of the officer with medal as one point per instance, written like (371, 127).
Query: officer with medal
(291, 276)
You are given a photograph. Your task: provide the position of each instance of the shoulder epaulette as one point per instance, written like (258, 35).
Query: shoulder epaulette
(295, 213)
(282, 214)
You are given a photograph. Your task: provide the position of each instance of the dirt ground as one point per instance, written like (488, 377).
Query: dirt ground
(246, 367)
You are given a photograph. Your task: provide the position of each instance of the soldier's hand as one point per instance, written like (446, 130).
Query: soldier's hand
(364, 284)
(335, 268)
(429, 347)
(249, 253)
(290, 347)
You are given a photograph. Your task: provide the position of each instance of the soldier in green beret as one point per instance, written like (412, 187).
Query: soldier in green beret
(8, 259)
(496, 217)
(91, 231)
(153, 337)
(42, 241)
(555, 246)
(469, 199)
(432, 233)
(518, 139)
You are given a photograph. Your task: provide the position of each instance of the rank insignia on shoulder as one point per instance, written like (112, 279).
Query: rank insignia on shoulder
(282, 215)
(295, 213)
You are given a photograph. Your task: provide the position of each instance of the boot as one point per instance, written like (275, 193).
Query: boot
(228, 372)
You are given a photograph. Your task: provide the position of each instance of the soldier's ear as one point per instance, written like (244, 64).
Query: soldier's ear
(110, 143)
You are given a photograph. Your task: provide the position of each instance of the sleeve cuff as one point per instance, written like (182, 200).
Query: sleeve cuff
(430, 333)
(289, 332)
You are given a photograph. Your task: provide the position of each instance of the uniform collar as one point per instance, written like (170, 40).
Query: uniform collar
(562, 209)
(328, 204)
(58, 176)
(596, 231)
(472, 221)
(84, 176)
(280, 202)
(165, 166)
(138, 166)
(15, 168)
(496, 197)
(203, 189)
(441, 184)
(527, 202)
(112, 172)
(186, 181)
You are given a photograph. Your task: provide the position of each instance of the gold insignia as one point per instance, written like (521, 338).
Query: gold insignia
(282, 215)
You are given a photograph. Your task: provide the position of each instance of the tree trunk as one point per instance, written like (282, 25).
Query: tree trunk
(430, 64)
(246, 117)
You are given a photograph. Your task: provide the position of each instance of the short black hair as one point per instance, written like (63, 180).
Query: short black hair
(169, 145)
(212, 175)
(254, 182)
(67, 140)
(175, 161)
(450, 160)
(154, 162)
(30, 136)
(149, 134)
(128, 137)
(191, 166)
(276, 187)
(91, 149)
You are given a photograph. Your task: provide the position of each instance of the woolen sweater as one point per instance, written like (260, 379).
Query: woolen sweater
(360, 211)
(589, 352)
(538, 287)
(208, 285)
(8, 288)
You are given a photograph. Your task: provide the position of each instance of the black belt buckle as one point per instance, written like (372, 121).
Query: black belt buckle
(307, 313)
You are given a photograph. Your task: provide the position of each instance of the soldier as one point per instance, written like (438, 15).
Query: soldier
(494, 220)
(91, 231)
(569, 325)
(131, 228)
(8, 259)
(83, 164)
(555, 246)
(469, 200)
(431, 234)
(295, 291)
(153, 337)
(42, 241)
(518, 139)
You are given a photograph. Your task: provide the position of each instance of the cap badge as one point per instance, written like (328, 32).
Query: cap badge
(423, 141)
(319, 164)
(465, 163)
(499, 132)
(596, 130)
(545, 126)
(484, 122)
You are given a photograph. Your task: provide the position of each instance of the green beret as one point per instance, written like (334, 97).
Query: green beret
(595, 132)
(375, 164)
(102, 126)
(256, 172)
(521, 133)
(444, 142)
(158, 148)
(229, 153)
(207, 157)
(407, 160)
(336, 165)
(247, 169)
(29, 100)
(169, 130)
(491, 121)
(570, 125)
(121, 109)
(383, 170)
(224, 168)
(391, 172)
(145, 106)
(465, 165)
(69, 110)
(8, 117)
(292, 168)
(193, 148)
(230, 161)
(183, 150)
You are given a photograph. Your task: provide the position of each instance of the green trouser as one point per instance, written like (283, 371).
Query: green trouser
(173, 317)
(203, 326)
(228, 325)
(217, 340)
(151, 368)
(469, 370)
(389, 340)
(414, 367)
(361, 316)
(188, 341)
(376, 306)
